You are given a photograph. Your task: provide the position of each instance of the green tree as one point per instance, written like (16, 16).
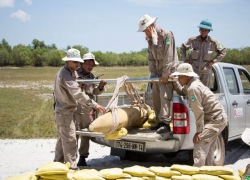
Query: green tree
(55, 57)
(38, 58)
(51, 47)
(38, 44)
(4, 57)
(21, 55)
(6, 45)
(100, 57)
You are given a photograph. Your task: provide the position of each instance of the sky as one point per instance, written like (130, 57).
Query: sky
(111, 25)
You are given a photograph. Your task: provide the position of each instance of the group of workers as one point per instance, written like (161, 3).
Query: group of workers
(74, 102)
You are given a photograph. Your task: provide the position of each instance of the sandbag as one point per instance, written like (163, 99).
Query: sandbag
(216, 170)
(148, 124)
(151, 120)
(25, 176)
(205, 177)
(127, 117)
(55, 177)
(114, 173)
(164, 171)
(241, 172)
(182, 177)
(139, 171)
(87, 174)
(53, 168)
(117, 134)
(230, 177)
(185, 169)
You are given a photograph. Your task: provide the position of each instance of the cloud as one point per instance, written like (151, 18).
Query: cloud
(23, 16)
(7, 3)
(29, 2)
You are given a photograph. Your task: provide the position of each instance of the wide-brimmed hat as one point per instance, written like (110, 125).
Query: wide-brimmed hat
(73, 55)
(206, 24)
(89, 56)
(185, 69)
(145, 21)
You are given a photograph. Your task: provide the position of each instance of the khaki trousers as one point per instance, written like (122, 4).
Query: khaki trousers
(205, 79)
(66, 147)
(162, 95)
(82, 121)
(203, 153)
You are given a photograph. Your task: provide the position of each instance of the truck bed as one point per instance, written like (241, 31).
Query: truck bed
(142, 140)
(134, 134)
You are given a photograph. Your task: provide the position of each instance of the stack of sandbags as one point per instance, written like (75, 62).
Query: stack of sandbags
(87, 174)
(139, 171)
(53, 171)
(114, 173)
(204, 173)
(60, 171)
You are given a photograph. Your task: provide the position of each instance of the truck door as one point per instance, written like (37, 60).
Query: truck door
(237, 108)
(216, 89)
(245, 84)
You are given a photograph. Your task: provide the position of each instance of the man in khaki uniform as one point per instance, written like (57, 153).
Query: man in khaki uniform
(203, 49)
(82, 114)
(209, 114)
(162, 61)
(67, 94)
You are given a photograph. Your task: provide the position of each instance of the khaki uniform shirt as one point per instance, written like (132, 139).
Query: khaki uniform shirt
(162, 58)
(204, 104)
(202, 52)
(67, 92)
(90, 90)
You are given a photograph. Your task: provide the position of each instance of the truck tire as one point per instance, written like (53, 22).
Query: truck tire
(135, 156)
(219, 153)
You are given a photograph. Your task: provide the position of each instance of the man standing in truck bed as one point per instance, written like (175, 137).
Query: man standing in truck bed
(162, 61)
(209, 114)
(202, 49)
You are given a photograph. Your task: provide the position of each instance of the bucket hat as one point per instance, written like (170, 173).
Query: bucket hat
(145, 21)
(89, 56)
(185, 69)
(206, 24)
(73, 55)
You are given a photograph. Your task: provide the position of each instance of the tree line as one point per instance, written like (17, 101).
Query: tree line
(39, 54)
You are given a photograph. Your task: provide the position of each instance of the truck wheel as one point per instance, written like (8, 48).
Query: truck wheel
(135, 156)
(219, 153)
(190, 158)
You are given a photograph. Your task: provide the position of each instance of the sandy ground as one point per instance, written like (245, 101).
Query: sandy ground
(22, 156)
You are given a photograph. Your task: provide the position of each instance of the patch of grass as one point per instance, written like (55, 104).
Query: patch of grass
(23, 115)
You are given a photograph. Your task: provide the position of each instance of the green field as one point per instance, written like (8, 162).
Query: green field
(26, 108)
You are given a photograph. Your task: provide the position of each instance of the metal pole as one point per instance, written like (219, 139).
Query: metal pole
(132, 80)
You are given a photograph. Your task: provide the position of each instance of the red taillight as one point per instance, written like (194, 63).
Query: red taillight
(180, 119)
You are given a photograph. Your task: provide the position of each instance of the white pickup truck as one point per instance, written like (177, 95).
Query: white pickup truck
(230, 84)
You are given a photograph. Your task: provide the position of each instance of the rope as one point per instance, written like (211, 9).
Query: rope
(135, 98)
(112, 105)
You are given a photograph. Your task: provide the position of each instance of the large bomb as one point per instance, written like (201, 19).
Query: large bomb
(127, 117)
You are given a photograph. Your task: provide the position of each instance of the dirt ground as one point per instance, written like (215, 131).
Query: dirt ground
(22, 156)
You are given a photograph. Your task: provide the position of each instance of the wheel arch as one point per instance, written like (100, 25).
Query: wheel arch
(225, 134)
